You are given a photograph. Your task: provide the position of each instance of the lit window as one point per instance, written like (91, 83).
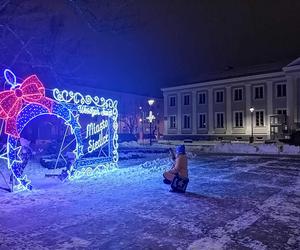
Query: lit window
(259, 118)
(238, 119)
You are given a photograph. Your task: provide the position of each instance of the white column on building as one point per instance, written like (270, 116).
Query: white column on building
(179, 115)
(194, 112)
(296, 98)
(269, 109)
(228, 111)
(290, 94)
(210, 111)
(165, 115)
(248, 102)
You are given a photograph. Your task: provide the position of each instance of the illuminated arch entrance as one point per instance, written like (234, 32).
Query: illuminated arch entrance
(28, 113)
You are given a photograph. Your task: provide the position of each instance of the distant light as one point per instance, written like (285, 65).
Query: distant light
(251, 109)
(140, 107)
(151, 101)
(140, 119)
(151, 117)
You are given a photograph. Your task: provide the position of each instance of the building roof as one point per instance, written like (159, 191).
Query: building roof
(238, 74)
(232, 72)
(294, 63)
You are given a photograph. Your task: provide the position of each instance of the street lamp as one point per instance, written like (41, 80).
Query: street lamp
(151, 102)
(151, 117)
(142, 123)
(251, 139)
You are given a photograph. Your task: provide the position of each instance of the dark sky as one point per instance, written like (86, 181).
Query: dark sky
(140, 46)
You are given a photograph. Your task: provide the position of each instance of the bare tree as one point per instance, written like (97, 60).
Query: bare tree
(107, 15)
(33, 40)
(131, 122)
(49, 38)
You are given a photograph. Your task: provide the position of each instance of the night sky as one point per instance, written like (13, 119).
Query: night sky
(141, 46)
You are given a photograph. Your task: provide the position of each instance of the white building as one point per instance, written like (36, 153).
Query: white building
(220, 109)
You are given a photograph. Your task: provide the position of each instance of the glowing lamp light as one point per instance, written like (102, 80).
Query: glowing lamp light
(151, 117)
(151, 102)
(251, 109)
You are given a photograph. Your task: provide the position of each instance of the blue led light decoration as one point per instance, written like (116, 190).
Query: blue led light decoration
(29, 112)
(99, 147)
(96, 150)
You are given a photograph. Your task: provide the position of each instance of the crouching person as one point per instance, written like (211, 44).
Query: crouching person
(178, 175)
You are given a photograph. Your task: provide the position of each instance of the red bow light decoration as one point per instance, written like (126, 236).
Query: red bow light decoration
(12, 101)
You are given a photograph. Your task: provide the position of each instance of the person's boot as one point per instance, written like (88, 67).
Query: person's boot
(166, 181)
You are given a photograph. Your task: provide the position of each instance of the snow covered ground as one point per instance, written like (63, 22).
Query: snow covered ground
(239, 202)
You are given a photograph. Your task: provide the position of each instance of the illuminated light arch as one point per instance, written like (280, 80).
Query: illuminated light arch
(26, 101)
(28, 113)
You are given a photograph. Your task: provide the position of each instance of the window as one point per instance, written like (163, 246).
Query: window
(259, 92)
(202, 98)
(274, 130)
(186, 100)
(238, 94)
(259, 118)
(202, 121)
(238, 119)
(220, 96)
(172, 101)
(219, 120)
(281, 90)
(186, 121)
(284, 113)
(172, 121)
(281, 111)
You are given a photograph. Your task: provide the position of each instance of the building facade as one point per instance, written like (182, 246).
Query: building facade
(221, 109)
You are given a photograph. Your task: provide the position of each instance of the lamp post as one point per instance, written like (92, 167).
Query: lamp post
(142, 122)
(251, 139)
(151, 117)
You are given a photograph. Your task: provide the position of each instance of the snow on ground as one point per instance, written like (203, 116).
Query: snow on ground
(131, 144)
(261, 149)
(232, 202)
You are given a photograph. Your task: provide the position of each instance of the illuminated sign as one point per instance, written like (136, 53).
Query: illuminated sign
(99, 130)
(99, 143)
